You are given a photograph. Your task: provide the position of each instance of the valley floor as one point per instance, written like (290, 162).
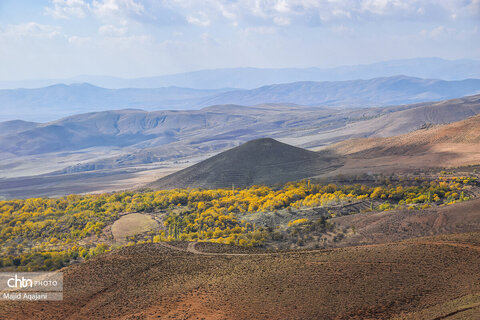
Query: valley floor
(99, 181)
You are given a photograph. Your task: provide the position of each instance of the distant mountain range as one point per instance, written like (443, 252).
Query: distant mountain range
(106, 150)
(53, 102)
(351, 94)
(140, 137)
(249, 78)
(60, 100)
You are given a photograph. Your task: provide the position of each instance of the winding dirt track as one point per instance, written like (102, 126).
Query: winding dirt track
(192, 248)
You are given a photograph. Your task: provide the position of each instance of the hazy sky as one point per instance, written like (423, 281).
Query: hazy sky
(131, 38)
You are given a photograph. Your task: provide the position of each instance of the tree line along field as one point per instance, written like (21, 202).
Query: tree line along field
(49, 233)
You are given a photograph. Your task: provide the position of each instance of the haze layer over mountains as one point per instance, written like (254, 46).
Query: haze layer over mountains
(381, 84)
(53, 102)
(250, 78)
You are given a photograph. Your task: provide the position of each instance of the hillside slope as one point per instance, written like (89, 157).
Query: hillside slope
(395, 121)
(396, 225)
(262, 161)
(417, 279)
(451, 145)
(465, 132)
(442, 112)
(267, 161)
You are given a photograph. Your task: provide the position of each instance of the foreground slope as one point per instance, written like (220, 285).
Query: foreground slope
(262, 161)
(427, 278)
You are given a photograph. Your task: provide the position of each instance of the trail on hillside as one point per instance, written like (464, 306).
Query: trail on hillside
(453, 244)
(191, 248)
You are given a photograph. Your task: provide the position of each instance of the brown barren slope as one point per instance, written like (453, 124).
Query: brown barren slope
(388, 226)
(267, 161)
(451, 145)
(418, 279)
(261, 161)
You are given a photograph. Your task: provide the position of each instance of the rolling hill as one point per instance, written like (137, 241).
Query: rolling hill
(139, 130)
(303, 126)
(262, 161)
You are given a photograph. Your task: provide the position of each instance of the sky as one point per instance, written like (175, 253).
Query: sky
(135, 38)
